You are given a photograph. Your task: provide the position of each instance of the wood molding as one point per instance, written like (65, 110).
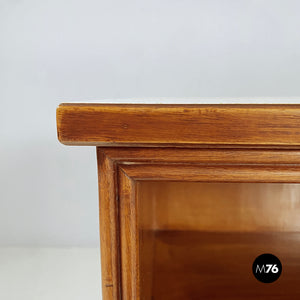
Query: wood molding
(121, 169)
(129, 237)
(190, 155)
(213, 173)
(109, 227)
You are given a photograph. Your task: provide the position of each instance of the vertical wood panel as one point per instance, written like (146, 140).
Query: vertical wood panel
(109, 237)
(129, 238)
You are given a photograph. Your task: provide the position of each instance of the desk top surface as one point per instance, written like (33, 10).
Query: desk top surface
(192, 125)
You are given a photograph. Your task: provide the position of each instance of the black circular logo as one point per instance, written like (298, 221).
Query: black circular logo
(267, 268)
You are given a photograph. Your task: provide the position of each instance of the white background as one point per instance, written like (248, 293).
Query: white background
(63, 51)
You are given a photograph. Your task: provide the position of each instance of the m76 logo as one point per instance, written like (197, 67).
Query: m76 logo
(267, 268)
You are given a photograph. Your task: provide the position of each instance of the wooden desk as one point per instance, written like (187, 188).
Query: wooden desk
(190, 195)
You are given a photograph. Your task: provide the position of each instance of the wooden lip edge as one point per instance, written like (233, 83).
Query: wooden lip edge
(64, 107)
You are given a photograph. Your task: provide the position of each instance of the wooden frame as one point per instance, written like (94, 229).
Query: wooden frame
(129, 165)
(209, 143)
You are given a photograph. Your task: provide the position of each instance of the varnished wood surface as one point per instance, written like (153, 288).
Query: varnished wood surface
(198, 265)
(128, 249)
(109, 228)
(239, 125)
(239, 207)
(237, 144)
(206, 156)
(199, 240)
(129, 238)
(213, 173)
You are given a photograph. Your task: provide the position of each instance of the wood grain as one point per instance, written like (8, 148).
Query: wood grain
(240, 207)
(206, 156)
(213, 173)
(214, 265)
(134, 214)
(199, 240)
(109, 235)
(264, 125)
(129, 238)
(156, 239)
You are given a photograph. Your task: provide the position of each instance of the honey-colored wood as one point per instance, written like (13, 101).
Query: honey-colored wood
(109, 228)
(206, 236)
(160, 223)
(210, 173)
(259, 125)
(211, 156)
(137, 214)
(219, 206)
(129, 239)
(217, 265)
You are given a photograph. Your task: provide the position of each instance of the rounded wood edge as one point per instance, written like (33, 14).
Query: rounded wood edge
(89, 125)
